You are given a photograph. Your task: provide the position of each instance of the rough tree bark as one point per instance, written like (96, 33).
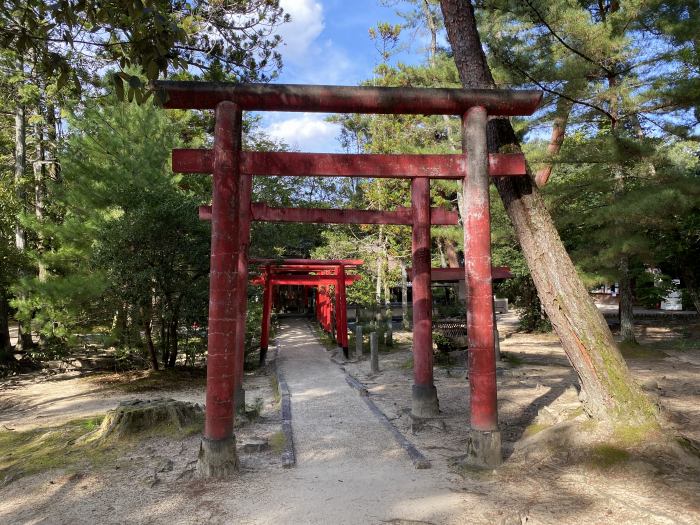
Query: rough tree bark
(608, 390)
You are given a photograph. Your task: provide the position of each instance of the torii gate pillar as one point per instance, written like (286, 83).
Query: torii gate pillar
(485, 440)
(424, 394)
(217, 453)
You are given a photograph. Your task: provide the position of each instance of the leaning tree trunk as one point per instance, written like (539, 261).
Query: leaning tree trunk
(609, 392)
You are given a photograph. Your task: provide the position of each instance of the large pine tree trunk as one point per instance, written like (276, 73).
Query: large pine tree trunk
(608, 389)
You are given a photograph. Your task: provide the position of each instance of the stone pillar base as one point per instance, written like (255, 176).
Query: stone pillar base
(217, 459)
(425, 401)
(484, 449)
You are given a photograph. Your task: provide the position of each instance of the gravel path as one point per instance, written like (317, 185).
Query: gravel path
(349, 467)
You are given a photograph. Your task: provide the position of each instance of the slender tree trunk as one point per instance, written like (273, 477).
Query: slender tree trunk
(39, 168)
(441, 252)
(53, 167)
(164, 344)
(173, 344)
(608, 390)
(561, 117)
(5, 344)
(626, 308)
(147, 329)
(431, 24)
(24, 336)
(451, 254)
(380, 275)
(404, 297)
(691, 286)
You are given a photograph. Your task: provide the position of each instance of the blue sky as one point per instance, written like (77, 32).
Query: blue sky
(327, 42)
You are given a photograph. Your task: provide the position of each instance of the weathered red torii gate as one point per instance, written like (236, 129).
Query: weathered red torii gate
(232, 210)
(308, 272)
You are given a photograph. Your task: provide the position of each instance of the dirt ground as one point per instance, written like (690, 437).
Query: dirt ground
(559, 467)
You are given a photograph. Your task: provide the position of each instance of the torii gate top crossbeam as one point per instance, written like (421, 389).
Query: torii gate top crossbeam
(347, 99)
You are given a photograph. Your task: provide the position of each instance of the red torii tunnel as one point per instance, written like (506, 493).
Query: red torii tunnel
(309, 273)
(232, 212)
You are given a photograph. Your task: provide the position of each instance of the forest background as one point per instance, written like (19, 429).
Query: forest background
(100, 241)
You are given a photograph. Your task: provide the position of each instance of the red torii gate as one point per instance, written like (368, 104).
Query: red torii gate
(308, 272)
(232, 211)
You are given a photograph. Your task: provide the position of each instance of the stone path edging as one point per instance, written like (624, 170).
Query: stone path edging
(288, 455)
(417, 458)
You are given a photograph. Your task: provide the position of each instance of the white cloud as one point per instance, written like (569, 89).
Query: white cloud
(304, 132)
(305, 26)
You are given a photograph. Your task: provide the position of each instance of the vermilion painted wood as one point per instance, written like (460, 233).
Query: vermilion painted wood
(244, 218)
(477, 264)
(267, 311)
(307, 262)
(422, 294)
(402, 216)
(284, 163)
(262, 212)
(346, 99)
(457, 274)
(223, 307)
(300, 268)
(342, 308)
(316, 280)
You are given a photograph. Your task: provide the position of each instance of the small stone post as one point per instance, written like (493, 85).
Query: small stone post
(358, 341)
(374, 352)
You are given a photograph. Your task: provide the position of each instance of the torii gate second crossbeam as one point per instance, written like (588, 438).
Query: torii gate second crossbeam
(232, 211)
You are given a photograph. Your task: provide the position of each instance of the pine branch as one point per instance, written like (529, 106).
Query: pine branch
(563, 42)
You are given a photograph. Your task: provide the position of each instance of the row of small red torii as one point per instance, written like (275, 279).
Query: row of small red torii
(232, 211)
(307, 273)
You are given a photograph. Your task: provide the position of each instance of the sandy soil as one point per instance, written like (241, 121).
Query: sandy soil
(349, 468)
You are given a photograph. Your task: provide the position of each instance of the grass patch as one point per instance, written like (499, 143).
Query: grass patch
(151, 380)
(606, 456)
(631, 434)
(74, 446)
(407, 364)
(275, 385)
(277, 442)
(634, 350)
(32, 451)
(534, 428)
(324, 338)
(512, 359)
